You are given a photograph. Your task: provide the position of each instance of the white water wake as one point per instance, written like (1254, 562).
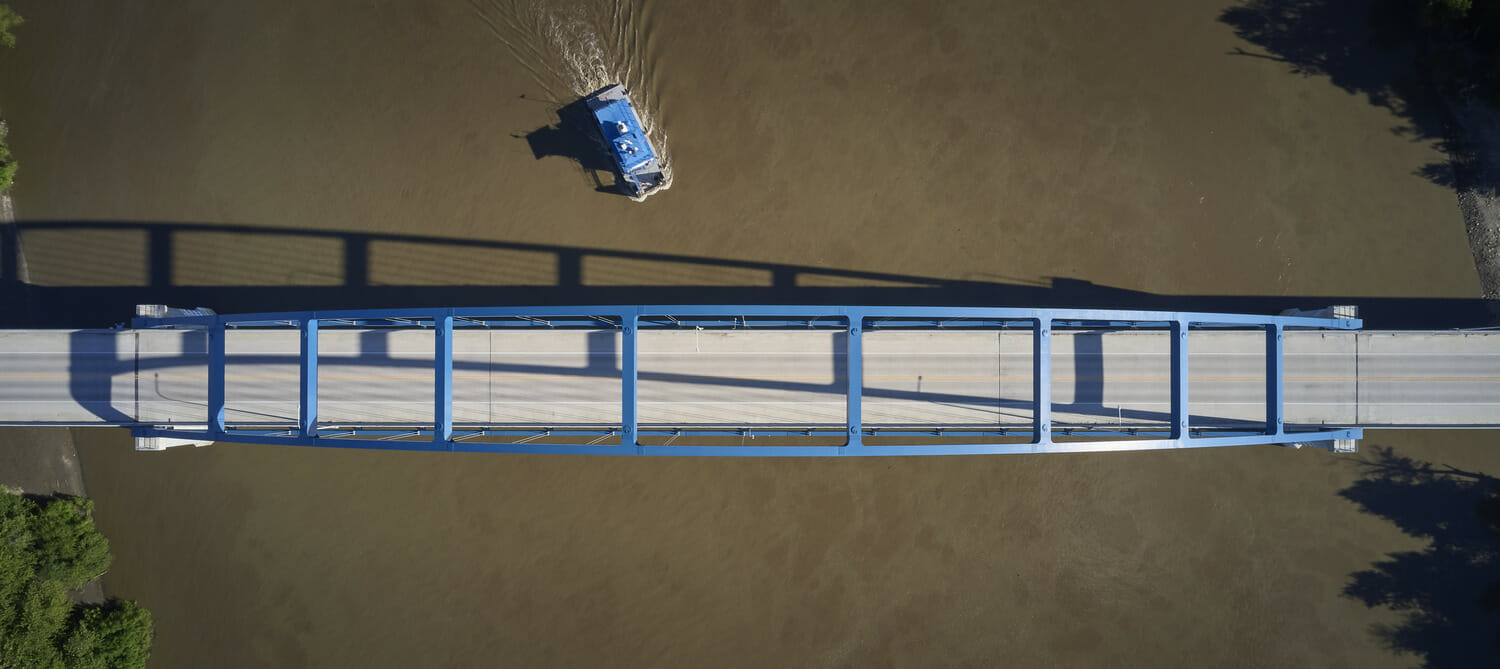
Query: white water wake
(575, 50)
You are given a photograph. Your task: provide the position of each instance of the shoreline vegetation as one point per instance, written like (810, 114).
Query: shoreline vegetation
(50, 547)
(1474, 154)
(1462, 56)
(1460, 48)
(53, 614)
(9, 19)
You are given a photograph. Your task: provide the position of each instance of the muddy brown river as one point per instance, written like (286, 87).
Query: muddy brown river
(282, 155)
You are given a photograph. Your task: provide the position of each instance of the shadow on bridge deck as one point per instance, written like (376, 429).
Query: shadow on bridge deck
(95, 365)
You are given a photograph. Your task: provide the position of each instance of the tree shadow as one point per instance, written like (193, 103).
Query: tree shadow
(1365, 47)
(1447, 593)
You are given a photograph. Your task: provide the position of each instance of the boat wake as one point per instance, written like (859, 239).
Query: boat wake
(576, 50)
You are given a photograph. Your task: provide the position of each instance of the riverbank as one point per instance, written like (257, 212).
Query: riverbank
(1475, 149)
(43, 461)
(1106, 143)
(40, 460)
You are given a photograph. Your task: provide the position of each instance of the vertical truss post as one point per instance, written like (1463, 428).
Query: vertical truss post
(854, 364)
(629, 398)
(1275, 390)
(442, 380)
(1041, 382)
(216, 357)
(1179, 333)
(308, 399)
(1041, 321)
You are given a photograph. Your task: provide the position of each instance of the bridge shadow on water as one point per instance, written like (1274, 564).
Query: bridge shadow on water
(1447, 593)
(92, 273)
(89, 274)
(1448, 615)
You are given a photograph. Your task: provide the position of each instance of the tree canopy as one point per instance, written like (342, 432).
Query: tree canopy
(48, 547)
(1470, 26)
(9, 19)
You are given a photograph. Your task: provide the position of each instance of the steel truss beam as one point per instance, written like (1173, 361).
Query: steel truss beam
(853, 321)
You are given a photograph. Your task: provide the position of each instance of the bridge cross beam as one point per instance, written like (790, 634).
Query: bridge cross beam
(855, 320)
(854, 370)
(1180, 409)
(216, 362)
(442, 380)
(307, 414)
(1275, 388)
(1041, 383)
(629, 382)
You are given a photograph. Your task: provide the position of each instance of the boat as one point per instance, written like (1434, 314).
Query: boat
(637, 163)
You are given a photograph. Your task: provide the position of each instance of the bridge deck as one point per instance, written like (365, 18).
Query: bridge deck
(753, 378)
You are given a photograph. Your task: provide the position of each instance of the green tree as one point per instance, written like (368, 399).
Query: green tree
(1461, 34)
(116, 634)
(46, 549)
(1448, 10)
(7, 164)
(16, 573)
(41, 611)
(9, 19)
(68, 546)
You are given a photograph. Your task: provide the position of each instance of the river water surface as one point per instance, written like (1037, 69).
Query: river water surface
(846, 146)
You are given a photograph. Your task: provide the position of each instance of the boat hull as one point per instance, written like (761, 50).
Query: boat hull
(637, 163)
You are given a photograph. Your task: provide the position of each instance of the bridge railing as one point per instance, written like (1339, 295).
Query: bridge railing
(850, 323)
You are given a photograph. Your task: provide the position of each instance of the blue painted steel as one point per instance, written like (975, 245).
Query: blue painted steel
(744, 451)
(1041, 383)
(854, 374)
(629, 319)
(216, 355)
(308, 405)
(630, 383)
(442, 381)
(391, 433)
(1120, 318)
(1180, 417)
(1275, 391)
(360, 433)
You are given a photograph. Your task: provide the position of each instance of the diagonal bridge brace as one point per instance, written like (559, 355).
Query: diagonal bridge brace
(849, 322)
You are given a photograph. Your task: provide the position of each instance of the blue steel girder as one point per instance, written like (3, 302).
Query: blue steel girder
(629, 379)
(440, 435)
(854, 373)
(1041, 382)
(307, 405)
(442, 379)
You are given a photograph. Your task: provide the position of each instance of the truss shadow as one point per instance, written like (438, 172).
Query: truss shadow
(242, 268)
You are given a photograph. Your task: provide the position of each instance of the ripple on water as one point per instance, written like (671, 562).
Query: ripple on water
(572, 51)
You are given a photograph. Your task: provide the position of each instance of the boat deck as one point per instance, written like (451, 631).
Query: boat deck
(620, 127)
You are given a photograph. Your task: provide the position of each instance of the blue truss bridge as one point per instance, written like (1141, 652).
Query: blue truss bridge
(742, 380)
